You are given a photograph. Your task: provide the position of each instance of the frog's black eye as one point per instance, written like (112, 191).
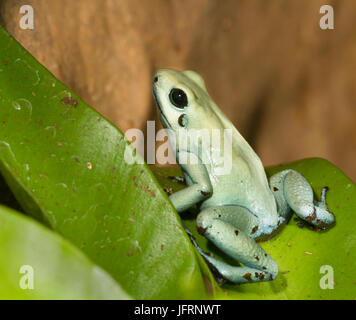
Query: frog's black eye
(178, 98)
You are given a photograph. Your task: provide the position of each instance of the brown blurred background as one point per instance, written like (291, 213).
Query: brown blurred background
(288, 86)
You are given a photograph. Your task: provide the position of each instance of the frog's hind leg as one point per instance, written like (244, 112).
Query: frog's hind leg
(230, 228)
(292, 191)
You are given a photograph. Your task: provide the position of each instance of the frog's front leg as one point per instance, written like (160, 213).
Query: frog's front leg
(199, 182)
(292, 191)
(231, 229)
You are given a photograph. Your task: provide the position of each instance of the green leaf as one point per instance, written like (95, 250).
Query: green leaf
(36, 263)
(299, 252)
(65, 165)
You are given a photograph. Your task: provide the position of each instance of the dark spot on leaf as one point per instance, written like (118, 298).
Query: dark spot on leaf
(134, 181)
(275, 189)
(130, 253)
(257, 258)
(146, 188)
(143, 187)
(208, 285)
(264, 268)
(205, 194)
(237, 232)
(162, 246)
(261, 276)
(70, 101)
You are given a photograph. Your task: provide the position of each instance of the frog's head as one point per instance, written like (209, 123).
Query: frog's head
(182, 99)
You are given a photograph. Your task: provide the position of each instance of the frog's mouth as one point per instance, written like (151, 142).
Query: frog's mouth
(162, 116)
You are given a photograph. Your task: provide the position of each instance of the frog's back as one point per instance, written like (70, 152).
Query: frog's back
(246, 184)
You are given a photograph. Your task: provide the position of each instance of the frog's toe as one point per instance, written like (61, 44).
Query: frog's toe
(322, 202)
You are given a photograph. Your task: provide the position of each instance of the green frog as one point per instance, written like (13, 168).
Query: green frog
(237, 206)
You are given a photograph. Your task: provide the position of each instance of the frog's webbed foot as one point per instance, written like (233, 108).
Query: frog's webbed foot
(322, 202)
(230, 229)
(293, 191)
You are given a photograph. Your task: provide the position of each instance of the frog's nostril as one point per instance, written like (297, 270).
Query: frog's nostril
(155, 79)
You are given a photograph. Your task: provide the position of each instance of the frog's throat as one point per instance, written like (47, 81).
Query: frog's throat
(163, 118)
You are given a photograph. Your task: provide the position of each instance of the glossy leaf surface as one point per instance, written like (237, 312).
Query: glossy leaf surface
(66, 166)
